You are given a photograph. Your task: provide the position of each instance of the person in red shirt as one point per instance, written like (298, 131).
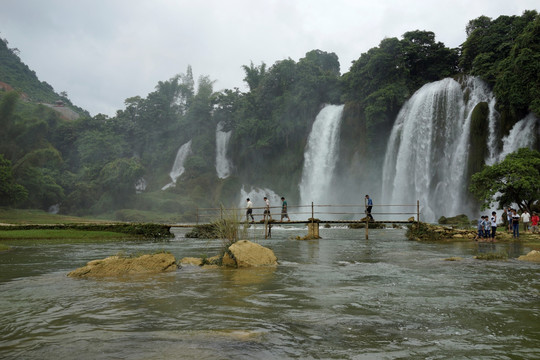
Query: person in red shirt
(534, 223)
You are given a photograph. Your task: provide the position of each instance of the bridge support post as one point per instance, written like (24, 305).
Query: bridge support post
(313, 230)
(367, 227)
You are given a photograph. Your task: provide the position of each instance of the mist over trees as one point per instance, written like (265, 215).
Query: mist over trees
(91, 165)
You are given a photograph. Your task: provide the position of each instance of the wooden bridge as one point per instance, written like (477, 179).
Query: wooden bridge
(316, 214)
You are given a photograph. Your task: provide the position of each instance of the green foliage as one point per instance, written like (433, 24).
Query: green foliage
(97, 148)
(422, 232)
(274, 117)
(458, 220)
(382, 79)
(516, 179)
(42, 186)
(61, 235)
(25, 81)
(11, 193)
(119, 176)
(518, 83)
(506, 53)
(147, 230)
(20, 77)
(204, 231)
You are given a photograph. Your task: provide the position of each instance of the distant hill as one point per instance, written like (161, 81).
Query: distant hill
(15, 75)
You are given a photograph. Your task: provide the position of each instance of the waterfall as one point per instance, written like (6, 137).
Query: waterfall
(320, 157)
(223, 165)
(140, 185)
(427, 152)
(523, 134)
(178, 166)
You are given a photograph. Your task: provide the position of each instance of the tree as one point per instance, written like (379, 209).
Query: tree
(119, 176)
(515, 180)
(10, 192)
(254, 75)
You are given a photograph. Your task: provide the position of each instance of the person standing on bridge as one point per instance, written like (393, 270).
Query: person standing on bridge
(266, 209)
(284, 209)
(249, 210)
(369, 206)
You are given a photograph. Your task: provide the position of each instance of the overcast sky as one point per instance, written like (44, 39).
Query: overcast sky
(103, 51)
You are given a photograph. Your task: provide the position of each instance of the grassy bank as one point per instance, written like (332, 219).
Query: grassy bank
(60, 234)
(27, 216)
(439, 233)
(36, 224)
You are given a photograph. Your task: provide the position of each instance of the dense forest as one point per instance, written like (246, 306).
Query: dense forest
(91, 165)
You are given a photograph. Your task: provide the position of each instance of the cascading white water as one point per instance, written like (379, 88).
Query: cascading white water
(320, 157)
(256, 195)
(223, 165)
(178, 166)
(523, 134)
(140, 185)
(426, 157)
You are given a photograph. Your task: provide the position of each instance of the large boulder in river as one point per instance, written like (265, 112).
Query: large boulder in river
(533, 256)
(119, 266)
(245, 253)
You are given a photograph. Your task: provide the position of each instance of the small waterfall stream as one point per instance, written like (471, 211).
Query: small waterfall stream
(223, 165)
(178, 166)
(523, 134)
(320, 157)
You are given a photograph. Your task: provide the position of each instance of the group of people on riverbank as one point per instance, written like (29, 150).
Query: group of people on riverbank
(266, 212)
(487, 226)
(530, 223)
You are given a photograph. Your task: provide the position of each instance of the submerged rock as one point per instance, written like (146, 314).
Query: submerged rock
(533, 256)
(118, 266)
(454, 258)
(191, 261)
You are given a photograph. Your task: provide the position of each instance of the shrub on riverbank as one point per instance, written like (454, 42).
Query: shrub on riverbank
(425, 232)
(422, 232)
(461, 220)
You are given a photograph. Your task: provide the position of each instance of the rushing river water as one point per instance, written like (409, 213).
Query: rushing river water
(340, 297)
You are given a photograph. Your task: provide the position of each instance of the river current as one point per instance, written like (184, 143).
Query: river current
(340, 297)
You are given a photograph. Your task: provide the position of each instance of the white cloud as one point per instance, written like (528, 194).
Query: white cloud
(102, 52)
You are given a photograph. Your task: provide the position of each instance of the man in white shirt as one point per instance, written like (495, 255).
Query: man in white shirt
(249, 211)
(267, 209)
(526, 218)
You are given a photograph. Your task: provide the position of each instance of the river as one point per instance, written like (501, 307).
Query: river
(340, 297)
